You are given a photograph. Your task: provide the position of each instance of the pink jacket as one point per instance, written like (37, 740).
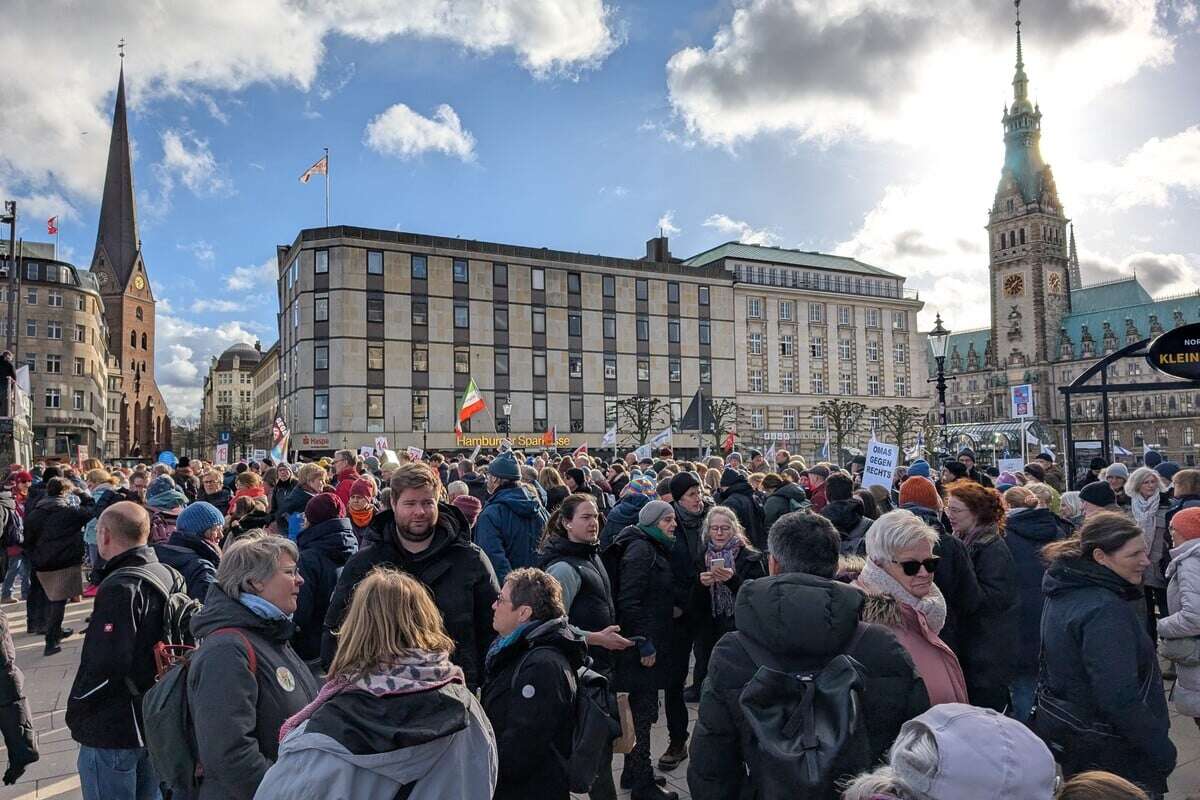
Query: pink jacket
(936, 663)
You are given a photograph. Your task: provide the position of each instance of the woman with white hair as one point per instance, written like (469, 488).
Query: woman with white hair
(1071, 508)
(954, 751)
(901, 594)
(1149, 508)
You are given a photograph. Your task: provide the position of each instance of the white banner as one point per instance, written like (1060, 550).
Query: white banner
(259, 455)
(881, 465)
(415, 453)
(642, 452)
(221, 454)
(366, 450)
(1013, 465)
(381, 444)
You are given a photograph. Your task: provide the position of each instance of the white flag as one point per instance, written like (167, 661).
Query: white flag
(610, 437)
(662, 438)
(642, 452)
(769, 456)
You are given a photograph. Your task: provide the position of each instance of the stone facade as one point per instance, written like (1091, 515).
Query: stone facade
(228, 401)
(266, 396)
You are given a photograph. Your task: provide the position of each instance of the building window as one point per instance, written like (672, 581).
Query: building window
(80, 366)
(539, 365)
(756, 380)
(31, 361)
(787, 383)
(420, 313)
(31, 327)
(610, 411)
(900, 352)
(573, 283)
(846, 384)
(787, 345)
(539, 413)
(901, 386)
(501, 360)
(321, 261)
(610, 326)
(1162, 437)
(816, 312)
(53, 398)
(672, 292)
(785, 310)
(499, 274)
(705, 332)
(54, 298)
(462, 272)
(816, 347)
(539, 320)
(643, 369)
(754, 308)
(462, 315)
(31, 298)
(703, 295)
(320, 412)
(757, 418)
(53, 329)
(610, 286)
(374, 262)
(872, 317)
(674, 370)
(816, 383)
(705, 371)
(643, 330)
(643, 289)
(374, 309)
(420, 409)
(873, 385)
(143, 341)
(420, 268)
(576, 415)
(77, 400)
(538, 277)
(756, 340)
(321, 357)
(610, 368)
(420, 358)
(54, 364)
(574, 325)
(81, 334)
(375, 356)
(462, 360)
(900, 320)
(845, 315)
(375, 412)
(31, 271)
(575, 366)
(321, 308)
(500, 318)
(872, 350)
(789, 419)
(845, 349)
(673, 330)
(1189, 436)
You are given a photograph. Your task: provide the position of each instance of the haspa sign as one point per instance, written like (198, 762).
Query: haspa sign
(1177, 352)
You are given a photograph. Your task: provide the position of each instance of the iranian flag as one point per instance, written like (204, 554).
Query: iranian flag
(472, 404)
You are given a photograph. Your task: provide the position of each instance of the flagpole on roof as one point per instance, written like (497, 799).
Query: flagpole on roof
(326, 187)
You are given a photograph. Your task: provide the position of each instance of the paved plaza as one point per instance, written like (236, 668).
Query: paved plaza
(48, 680)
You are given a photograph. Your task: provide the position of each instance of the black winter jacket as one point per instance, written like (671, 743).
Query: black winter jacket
(532, 710)
(477, 487)
(324, 550)
(1026, 533)
(784, 500)
(623, 514)
(988, 637)
(1100, 659)
(852, 526)
(740, 497)
(554, 497)
(457, 573)
(16, 723)
(749, 565)
(292, 502)
(800, 618)
(117, 661)
(687, 556)
(193, 558)
(236, 713)
(54, 532)
(954, 576)
(279, 492)
(219, 498)
(592, 608)
(645, 604)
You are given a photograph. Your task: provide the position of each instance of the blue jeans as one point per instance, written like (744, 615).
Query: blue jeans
(1023, 689)
(18, 565)
(113, 774)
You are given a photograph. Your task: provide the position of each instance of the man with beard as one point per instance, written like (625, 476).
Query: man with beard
(432, 542)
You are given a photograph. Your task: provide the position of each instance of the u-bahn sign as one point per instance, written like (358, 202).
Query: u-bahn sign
(1177, 352)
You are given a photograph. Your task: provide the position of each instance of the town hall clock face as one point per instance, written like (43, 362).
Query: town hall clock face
(139, 282)
(1014, 285)
(102, 279)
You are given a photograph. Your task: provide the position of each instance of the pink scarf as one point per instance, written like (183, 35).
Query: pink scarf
(415, 671)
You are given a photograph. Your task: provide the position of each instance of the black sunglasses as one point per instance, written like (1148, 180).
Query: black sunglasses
(911, 568)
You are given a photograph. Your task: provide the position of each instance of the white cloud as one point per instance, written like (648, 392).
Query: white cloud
(253, 276)
(220, 306)
(201, 250)
(614, 191)
(742, 231)
(189, 160)
(666, 223)
(404, 133)
(183, 352)
(1147, 176)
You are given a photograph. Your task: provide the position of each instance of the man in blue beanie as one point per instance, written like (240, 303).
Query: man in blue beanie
(511, 523)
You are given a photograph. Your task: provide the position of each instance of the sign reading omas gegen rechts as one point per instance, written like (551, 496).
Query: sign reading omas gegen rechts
(1177, 352)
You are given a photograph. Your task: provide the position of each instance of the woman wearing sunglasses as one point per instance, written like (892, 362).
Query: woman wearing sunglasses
(901, 594)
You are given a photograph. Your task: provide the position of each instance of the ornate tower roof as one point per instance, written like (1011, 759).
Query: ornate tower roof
(117, 242)
(1023, 163)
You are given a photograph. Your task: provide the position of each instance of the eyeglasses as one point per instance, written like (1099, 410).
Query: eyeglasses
(911, 568)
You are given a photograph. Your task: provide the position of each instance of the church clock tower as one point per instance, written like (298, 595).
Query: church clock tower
(1029, 260)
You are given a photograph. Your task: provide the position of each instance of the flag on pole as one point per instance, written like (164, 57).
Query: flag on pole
(580, 451)
(825, 447)
(610, 437)
(769, 456)
(279, 440)
(52, 226)
(472, 404)
(661, 438)
(319, 168)
(550, 437)
(729, 439)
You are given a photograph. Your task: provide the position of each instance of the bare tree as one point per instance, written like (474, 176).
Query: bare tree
(642, 416)
(900, 422)
(727, 416)
(842, 419)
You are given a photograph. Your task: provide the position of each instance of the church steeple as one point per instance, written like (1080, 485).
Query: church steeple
(1023, 164)
(117, 242)
(1020, 80)
(1073, 263)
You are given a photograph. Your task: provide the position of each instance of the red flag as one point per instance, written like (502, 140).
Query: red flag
(580, 451)
(550, 436)
(52, 226)
(728, 444)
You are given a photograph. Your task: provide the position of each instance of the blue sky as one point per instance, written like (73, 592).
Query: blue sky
(864, 127)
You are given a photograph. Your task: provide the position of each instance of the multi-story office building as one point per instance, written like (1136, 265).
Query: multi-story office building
(381, 333)
(811, 327)
(266, 396)
(228, 403)
(62, 336)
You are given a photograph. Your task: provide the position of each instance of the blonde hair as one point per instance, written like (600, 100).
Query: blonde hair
(390, 614)
(98, 476)
(247, 479)
(1020, 497)
(309, 471)
(1100, 786)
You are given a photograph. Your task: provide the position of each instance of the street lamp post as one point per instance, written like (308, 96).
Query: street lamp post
(939, 338)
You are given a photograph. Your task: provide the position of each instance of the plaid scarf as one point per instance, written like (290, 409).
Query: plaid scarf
(722, 597)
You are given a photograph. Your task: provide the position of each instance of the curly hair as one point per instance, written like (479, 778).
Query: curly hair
(984, 503)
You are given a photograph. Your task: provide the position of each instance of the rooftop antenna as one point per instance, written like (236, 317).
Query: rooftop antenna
(121, 48)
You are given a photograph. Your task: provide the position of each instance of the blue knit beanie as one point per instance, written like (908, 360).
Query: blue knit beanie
(159, 485)
(919, 467)
(199, 517)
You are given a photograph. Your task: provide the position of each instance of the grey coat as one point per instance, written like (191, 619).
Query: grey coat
(1183, 601)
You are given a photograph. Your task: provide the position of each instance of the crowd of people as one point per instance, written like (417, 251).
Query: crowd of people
(438, 628)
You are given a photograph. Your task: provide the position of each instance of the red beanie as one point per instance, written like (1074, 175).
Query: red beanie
(1185, 524)
(362, 488)
(920, 491)
(323, 507)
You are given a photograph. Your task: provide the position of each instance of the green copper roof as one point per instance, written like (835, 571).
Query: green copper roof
(1111, 294)
(791, 258)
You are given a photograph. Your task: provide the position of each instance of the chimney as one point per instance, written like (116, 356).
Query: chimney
(657, 250)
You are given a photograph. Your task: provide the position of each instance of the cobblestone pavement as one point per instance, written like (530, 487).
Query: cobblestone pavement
(48, 680)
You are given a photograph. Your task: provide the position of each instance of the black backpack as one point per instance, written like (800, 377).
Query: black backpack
(597, 723)
(176, 640)
(808, 724)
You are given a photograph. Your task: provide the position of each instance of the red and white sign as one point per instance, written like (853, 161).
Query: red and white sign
(313, 441)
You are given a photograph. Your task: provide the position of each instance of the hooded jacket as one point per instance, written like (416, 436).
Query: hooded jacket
(645, 603)
(852, 526)
(988, 637)
(1099, 659)
(740, 497)
(1026, 532)
(623, 514)
(476, 486)
(54, 532)
(787, 498)
(509, 528)
(324, 550)
(193, 558)
(424, 746)
(457, 573)
(529, 697)
(1183, 601)
(236, 714)
(804, 619)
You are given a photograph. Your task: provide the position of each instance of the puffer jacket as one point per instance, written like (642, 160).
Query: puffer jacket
(236, 713)
(852, 526)
(54, 532)
(1099, 661)
(1183, 601)
(784, 500)
(426, 745)
(509, 529)
(623, 514)
(988, 637)
(194, 558)
(529, 698)
(644, 604)
(324, 550)
(740, 497)
(801, 619)
(1026, 532)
